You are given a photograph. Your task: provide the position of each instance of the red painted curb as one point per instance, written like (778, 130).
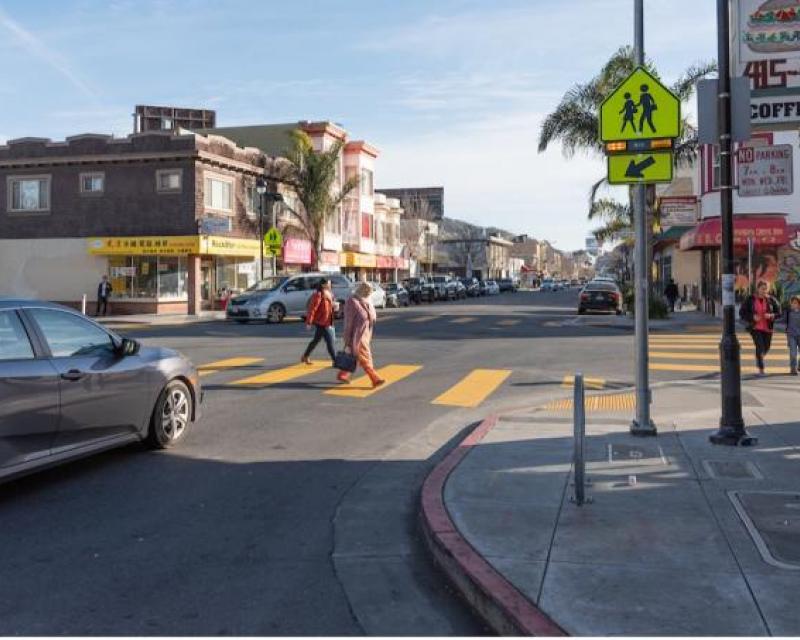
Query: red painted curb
(498, 601)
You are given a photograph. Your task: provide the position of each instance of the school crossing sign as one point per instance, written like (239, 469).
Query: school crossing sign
(639, 121)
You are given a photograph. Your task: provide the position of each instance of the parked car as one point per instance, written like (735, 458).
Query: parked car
(396, 295)
(272, 299)
(506, 284)
(483, 288)
(600, 296)
(461, 290)
(70, 388)
(444, 290)
(472, 287)
(492, 288)
(573, 283)
(378, 295)
(420, 289)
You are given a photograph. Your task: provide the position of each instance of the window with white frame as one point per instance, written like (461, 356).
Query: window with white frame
(366, 182)
(93, 182)
(219, 193)
(168, 180)
(251, 201)
(28, 194)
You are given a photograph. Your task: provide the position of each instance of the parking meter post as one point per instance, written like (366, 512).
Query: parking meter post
(579, 432)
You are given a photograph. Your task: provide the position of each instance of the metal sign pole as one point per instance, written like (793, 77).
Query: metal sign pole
(642, 425)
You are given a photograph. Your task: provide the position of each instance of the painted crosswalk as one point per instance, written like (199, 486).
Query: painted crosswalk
(472, 390)
(285, 374)
(464, 320)
(362, 387)
(228, 363)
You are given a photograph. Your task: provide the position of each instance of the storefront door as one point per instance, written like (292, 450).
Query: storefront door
(206, 283)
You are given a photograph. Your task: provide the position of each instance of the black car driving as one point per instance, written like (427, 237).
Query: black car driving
(600, 296)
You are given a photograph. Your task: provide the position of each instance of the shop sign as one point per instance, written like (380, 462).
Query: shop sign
(385, 262)
(222, 246)
(329, 258)
(675, 211)
(215, 225)
(358, 260)
(144, 246)
(296, 251)
(765, 171)
(765, 233)
(766, 50)
(123, 272)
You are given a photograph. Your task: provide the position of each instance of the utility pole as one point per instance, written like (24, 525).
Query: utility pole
(274, 226)
(731, 424)
(642, 425)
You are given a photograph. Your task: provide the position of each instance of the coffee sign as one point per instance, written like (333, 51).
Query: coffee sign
(765, 171)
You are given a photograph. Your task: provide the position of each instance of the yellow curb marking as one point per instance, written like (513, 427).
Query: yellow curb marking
(284, 375)
(362, 387)
(474, 388)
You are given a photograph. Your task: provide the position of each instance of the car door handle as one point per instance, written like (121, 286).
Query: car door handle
(72, 374)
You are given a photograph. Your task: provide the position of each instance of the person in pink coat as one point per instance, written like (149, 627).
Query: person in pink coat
(359, 321)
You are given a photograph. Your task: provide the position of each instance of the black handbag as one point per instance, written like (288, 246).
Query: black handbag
(345, 361)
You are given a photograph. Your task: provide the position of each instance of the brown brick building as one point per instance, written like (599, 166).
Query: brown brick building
(171, 219)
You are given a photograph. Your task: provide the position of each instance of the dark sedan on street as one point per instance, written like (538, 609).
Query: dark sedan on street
(472, 286)
(600, 296)
(69, 388)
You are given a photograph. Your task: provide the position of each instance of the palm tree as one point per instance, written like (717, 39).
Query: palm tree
(313, 176)
(575, 124)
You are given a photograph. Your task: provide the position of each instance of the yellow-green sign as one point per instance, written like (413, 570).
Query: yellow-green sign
(640, 108)
(639, 168)
(273, 238)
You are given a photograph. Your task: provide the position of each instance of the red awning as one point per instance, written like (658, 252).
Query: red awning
(767, 230)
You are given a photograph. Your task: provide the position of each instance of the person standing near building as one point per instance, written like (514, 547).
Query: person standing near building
(319, 315)
(104, 290)
(359, 322)
(759, 312)
(671, 293)
(792, 317)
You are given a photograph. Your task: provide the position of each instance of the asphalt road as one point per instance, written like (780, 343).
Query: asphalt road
(287, 510)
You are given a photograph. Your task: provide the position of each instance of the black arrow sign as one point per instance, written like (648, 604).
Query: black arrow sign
(635, 169)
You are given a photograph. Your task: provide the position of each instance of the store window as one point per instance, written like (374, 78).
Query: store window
(148, 277)
(367, 230)
(92, 183)
(333, 223)
(251, 201)
(366, 182)
(29, 193)
(168, 180)
(172, 278)
(218, 194)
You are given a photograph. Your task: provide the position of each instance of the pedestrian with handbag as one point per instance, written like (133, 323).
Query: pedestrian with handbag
(359, 323)
(759, 312)
(319, 315)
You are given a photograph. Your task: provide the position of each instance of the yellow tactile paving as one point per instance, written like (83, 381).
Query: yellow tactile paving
(508, 323)
(285, 374)
(611, 402)
(229, 363)
(463, 320)
(588, 383)
(362, 387)
(474, 388)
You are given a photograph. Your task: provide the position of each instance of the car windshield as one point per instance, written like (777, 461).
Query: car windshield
(268, 284)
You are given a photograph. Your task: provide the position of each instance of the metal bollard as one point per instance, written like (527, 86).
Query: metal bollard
(83, 304)
(578, 463)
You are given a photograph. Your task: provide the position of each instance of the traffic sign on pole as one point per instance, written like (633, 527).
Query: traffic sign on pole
(639, 108)
(273, 242)
(639, 168)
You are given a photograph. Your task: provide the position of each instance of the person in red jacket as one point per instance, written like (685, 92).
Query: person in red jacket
(320, 315)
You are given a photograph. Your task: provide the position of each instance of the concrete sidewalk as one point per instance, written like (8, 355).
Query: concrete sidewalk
(681, 537)
(155, 320)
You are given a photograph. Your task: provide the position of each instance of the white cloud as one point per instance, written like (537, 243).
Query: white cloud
(37, 48)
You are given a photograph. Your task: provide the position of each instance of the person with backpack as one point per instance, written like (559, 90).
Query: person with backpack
(759, 312)
(320, 315)
(792, 318)
(359, 322)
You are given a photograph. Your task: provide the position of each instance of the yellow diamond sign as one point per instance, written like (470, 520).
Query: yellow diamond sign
(640, 108)
(639, 168)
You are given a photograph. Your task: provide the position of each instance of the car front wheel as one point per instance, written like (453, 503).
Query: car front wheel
(171, 416)
(276, 313)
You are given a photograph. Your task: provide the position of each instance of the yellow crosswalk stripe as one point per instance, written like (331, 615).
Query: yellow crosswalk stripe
(285, 374)
(228, 363)
(362, 387)
(711, 355)
(509, 323)
(422, 319)
(474, 388)
(706, 368)
(588, 383)
(463, 320)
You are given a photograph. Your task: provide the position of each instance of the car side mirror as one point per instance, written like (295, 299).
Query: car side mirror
(128, 347)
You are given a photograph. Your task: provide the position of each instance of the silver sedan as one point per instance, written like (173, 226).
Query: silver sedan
(69, 387)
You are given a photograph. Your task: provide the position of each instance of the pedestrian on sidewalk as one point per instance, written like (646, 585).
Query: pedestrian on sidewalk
(104, 290)
(671, 293)
(320, 316)
(359, 322)
(792, 318)
(759, 312)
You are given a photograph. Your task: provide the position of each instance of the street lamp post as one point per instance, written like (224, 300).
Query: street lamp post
(264, 197)
(731, 424)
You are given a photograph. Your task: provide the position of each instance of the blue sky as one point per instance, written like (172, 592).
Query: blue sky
(451, 91)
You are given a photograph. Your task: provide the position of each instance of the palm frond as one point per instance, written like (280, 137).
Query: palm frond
(684, 86)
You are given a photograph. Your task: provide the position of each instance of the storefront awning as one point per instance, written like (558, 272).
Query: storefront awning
(766, 230)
